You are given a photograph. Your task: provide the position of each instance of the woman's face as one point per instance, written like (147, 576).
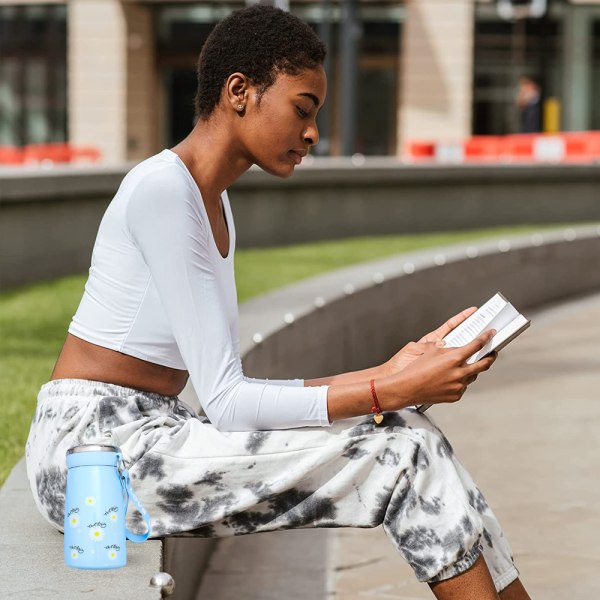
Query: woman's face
(279, 130)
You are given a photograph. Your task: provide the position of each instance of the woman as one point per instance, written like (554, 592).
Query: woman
(160, 304)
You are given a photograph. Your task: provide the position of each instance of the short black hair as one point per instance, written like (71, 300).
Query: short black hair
(260, 41)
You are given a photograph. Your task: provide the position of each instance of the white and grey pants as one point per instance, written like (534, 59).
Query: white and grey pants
(402, 474)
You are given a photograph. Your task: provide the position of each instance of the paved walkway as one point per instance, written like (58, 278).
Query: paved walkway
(528, 433)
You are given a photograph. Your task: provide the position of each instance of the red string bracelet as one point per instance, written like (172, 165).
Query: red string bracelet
(375, 409)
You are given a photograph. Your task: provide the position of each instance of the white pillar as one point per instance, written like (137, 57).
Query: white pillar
(113, 84)
(97, 76)
(577, 67)
(144, 120)
(436, 71)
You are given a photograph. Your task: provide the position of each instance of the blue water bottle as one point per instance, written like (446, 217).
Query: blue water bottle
(98, 492)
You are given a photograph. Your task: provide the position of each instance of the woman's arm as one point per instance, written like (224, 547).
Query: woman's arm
(440, 375)
(350, 377)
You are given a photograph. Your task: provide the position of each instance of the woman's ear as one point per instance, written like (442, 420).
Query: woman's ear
(237, 92)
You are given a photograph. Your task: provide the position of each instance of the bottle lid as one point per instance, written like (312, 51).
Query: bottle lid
(92, 448)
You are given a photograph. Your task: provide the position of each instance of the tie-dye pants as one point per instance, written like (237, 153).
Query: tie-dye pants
(401, 474)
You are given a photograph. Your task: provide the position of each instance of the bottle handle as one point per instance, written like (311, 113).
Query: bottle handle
(130, 494)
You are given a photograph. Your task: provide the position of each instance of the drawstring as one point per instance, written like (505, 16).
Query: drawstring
(130, 494)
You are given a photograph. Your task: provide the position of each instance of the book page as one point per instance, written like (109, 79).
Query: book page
(478, 322)
(503, 337)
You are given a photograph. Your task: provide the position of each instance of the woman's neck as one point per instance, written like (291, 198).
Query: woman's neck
(212, 157)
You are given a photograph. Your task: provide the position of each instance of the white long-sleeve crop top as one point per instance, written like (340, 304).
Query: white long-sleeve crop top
(159, 290)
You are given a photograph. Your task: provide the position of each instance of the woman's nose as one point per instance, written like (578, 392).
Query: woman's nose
(311, 135)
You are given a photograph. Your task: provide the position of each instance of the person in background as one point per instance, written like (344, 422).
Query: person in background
(529, 105)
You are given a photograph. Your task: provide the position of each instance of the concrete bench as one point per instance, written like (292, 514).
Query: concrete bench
(32, 565)
(282, 334)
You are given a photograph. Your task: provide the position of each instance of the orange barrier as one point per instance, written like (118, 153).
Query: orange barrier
(47, 153)
(10, 155)
(56, 153)
(519, 146)
(421, 149)
(582, 146)
(532, 147)
(483, 147)
(85, 154)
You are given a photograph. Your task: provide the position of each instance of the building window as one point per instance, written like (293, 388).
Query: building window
(378, 88)
(33, 79)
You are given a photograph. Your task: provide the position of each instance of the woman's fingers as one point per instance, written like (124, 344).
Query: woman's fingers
(471, 379)
(482, 364)
(476, 345)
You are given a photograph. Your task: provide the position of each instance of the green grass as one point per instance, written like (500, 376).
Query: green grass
(262, 269)
(34, 320)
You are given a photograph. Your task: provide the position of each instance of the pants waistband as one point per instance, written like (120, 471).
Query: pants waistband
(87, 387)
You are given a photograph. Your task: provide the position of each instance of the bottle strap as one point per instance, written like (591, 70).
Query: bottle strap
(130, 495)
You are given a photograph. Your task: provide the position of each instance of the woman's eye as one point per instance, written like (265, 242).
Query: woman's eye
(302, 112)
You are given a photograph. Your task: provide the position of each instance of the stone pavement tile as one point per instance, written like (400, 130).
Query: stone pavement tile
(268, 566)
(364, 565)
(551, 575)
(528, 433)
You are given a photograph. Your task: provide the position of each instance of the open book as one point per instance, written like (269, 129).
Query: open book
(497, 313)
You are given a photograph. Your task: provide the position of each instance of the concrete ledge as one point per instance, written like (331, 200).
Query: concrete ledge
(49, 219)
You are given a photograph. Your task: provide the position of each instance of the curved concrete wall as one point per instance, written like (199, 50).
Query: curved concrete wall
(49, 219)
(357, 317)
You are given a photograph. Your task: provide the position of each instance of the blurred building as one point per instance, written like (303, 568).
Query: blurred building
(119, 74)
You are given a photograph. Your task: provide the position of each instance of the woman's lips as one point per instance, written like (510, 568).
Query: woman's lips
(296, 156)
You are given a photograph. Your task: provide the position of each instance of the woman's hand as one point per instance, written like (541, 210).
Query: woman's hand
(414, 350)
(411, 352)
(434, 375)
(437, 376)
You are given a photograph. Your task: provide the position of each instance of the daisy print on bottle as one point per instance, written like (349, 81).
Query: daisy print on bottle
(112, 514)
(73, 517)
(112, 551)
(96, 531)
(90, 501)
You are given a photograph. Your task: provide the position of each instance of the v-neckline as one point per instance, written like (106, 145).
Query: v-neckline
(223, 208)
(222, 203)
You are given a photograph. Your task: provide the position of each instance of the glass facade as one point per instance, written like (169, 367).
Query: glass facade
(378, 80)
(33, 74)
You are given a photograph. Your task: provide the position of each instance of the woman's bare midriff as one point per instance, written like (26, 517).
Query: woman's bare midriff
(82, 360)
